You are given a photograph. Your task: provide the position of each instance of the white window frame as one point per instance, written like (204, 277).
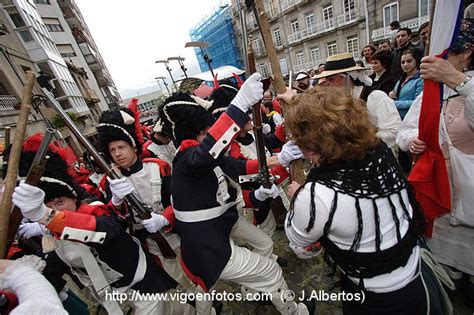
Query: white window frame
(351, 39)
(299, 57)
(295, 30)
(257, 46)
(385, 25)
(428, 9)
(329, 48)
(278, 43)
(273, 8)
(328, 21)
(315, 52)
(263, 70)
(349, 14)
(310, 26)
(283, 66)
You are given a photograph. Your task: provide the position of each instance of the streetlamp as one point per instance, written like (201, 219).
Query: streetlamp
(202, 45)
(181, 64)
(167, 68)
(164, 82)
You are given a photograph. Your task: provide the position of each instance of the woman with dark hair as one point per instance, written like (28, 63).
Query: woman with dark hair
(410, 84)
(366, 54)
(356, 201)
(382, 78)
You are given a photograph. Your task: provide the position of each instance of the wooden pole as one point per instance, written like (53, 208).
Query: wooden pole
(14, 161)
(7, 136)
(296, 167)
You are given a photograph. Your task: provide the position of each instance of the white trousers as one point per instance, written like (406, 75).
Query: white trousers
(154, 306)
(253, 236)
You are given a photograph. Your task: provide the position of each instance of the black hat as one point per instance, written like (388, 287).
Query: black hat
(55, 181)
(115, 125)
(222, 96)
(183, 117)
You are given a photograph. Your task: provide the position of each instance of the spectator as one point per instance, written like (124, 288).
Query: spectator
(268, 97)
(385, 45)
(321, 68)
(366, 54)
(423, 32)
(394, 27)
(382, 78)
(403, 43)
(303, 81)
(274, 119)
(410, 84)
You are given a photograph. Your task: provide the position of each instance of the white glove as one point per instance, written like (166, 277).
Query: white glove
(120, 188)
(250, 93)
(263, 193)
(289, 152)
(29, 230)
(266, 129)
(30, 200)
(155, 223)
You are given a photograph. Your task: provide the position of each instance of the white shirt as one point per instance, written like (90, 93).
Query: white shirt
(344, 228)
(385, 116)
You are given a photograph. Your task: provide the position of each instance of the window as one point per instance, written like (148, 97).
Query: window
(277, 38)
(332, 49)
(353, 45)
(425, 7)
(310, 22)
(315, 56)
(349, 10)
(26, 36)
(17, 19)
(263, 70)
(252, 23)
(295, 30)
(53, 25)
(283, 66)
(257, 45)
(328, 17)
(66, 50)
(390, 13)
(273, 8)
(300, 58)
(42, 2)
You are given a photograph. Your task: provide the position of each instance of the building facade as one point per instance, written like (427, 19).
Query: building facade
(218, 30)
(306, 32)
(148, 105)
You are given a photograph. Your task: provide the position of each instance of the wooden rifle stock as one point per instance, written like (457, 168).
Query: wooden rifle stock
(142, 210)
(33, 178)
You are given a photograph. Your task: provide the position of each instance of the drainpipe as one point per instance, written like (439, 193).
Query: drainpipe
(366, 13)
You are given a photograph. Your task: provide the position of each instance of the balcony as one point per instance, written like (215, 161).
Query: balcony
(290, 5)
(9, 102)
(306, 66)
(273, 14)
(80, 34)
(413, 24)
(91, 96)
(325, 26)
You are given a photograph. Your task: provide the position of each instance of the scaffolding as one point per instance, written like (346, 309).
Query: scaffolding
(217, 29)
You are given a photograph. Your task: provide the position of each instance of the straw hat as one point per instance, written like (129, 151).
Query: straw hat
(339, 64)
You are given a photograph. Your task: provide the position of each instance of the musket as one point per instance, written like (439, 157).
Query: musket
(257, 125)
(257, 7)
(143, 211)
(33, 178)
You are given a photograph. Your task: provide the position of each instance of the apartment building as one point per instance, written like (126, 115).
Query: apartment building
(306, 32)
(148, 105)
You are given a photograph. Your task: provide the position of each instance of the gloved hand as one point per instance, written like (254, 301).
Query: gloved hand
(361, 76)
(29, 230)
(120, 188)
(155, 223)
(289, 152)
(263, 193)
(266, 129)
(30, 200)
(250, 93)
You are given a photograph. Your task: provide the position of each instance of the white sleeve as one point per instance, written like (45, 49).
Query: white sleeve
(385, 116)
(409, 127)
(296, 233)
(35, 294)
(277, 119)
(468, 92)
